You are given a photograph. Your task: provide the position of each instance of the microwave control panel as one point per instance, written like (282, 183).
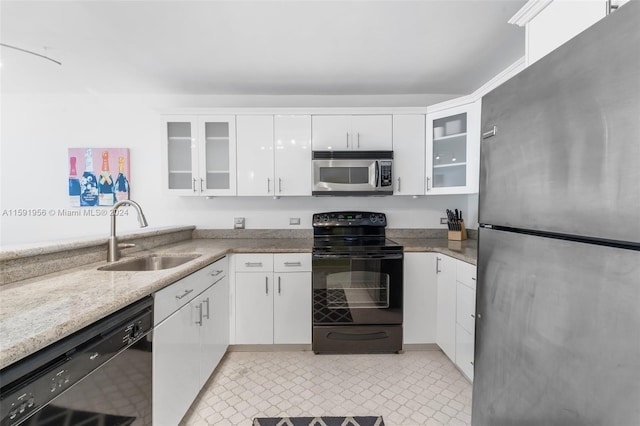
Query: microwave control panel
(386, 178)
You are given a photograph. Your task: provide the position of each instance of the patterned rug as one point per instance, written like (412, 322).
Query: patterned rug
(318, 421)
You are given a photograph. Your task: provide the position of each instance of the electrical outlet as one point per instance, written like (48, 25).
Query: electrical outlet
(294, 221)
(443, 221)
(238, 223)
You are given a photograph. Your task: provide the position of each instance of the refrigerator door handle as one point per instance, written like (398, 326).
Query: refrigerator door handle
(490, 133)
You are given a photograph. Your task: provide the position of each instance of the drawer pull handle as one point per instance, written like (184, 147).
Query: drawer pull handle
(94, 356)
(184, 294)
(292, 263)
(473, 278)
(253, 264)
(216, 273)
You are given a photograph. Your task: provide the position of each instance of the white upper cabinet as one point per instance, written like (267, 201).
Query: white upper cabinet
(352, 132)
(255, 155)
(453, 150)
(549, 24)
(292, 155)
(274, 155)
(199, 154)
(408, 154)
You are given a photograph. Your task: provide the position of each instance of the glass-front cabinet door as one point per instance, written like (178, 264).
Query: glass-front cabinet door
(453, 137)
(181, 151)
(217, 155)
(200, 154)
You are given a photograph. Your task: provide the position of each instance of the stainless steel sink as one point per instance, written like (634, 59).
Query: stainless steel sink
(154, 262)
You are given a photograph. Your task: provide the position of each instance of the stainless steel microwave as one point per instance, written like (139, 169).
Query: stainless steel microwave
(352, 172)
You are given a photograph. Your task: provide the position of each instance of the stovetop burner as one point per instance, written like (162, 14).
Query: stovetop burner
(351, 231)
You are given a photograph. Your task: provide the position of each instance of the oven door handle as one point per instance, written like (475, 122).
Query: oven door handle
(359, 257)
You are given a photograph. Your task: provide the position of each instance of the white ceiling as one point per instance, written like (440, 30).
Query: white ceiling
(258, 47)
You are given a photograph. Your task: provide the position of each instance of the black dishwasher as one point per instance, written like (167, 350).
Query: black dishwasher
(100, 375)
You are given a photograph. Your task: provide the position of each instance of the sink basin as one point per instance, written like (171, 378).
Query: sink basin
(150, 263)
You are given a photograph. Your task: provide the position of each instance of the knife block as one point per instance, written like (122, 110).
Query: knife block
(460, 235)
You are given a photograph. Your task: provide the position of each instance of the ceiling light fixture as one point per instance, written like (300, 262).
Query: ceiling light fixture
(30, 52)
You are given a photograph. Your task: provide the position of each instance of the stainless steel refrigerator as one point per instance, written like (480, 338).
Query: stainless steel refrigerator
(558, 295)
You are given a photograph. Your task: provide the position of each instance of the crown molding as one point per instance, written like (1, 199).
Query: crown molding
(528, 12)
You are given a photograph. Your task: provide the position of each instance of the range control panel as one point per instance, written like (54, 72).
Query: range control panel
(340, 219)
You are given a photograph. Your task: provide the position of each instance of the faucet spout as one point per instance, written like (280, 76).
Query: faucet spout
(113, 253)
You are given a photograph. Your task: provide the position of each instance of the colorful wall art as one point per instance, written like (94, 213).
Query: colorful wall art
(98, 176)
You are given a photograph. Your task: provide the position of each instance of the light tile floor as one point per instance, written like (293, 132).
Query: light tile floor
(413, 388)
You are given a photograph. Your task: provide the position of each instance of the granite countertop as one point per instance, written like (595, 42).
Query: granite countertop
(39, 311)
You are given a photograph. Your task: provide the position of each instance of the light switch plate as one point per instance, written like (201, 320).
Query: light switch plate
(443, 221)
(238, 223)
(294, 221)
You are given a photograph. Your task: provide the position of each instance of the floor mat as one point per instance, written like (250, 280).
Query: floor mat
(318, 421)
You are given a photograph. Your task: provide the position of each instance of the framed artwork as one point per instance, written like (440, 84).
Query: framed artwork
(98, 176)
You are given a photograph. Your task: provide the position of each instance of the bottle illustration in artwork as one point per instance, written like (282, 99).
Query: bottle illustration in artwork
(88, 183)
(122, 184)
(105, 183)
(74, 184)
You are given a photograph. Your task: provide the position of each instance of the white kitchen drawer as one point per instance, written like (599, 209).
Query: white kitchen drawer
(464, 351)
(292, 262)
(254, 262)
(466, 274)
(465, 307)
(213, 273)
(171, 298)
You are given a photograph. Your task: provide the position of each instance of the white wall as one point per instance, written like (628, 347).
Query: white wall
(36, 131)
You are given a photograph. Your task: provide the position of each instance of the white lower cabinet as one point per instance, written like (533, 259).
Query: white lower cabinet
(190, 337)
(465, 317)
(456, 306)
(420, 304)
(273, 298)
(446, 299)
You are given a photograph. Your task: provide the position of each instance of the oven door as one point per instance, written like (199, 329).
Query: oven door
(356, 289)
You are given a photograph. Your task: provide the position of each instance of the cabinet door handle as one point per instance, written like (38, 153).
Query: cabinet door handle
(207, 302)
(428, 179)
(347, 139)
(473, 278)
(253, 264)
(201, 184)
(398, 184)
(194, 185)
(184, 294)
(279, 285)
(490, 133)
(279, 184)
(438, 265)
(266, 285)
(292, 263)
(216, 272)
(358, 139)
(199, 308)
(473, 316)
(268, 185)
(471, 362)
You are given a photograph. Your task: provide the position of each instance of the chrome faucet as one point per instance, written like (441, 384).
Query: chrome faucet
(113, 253)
